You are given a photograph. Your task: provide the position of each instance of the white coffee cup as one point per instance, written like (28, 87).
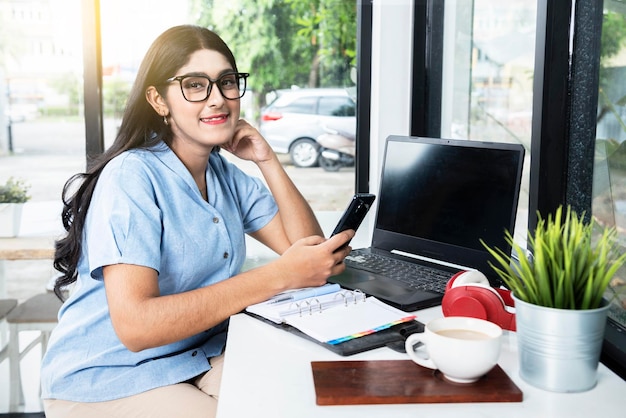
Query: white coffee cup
(463, 349)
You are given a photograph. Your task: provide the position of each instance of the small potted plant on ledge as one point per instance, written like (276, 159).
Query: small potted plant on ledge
(559, 295)
(13, 195)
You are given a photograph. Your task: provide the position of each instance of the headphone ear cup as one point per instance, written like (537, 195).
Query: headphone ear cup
(459, 303)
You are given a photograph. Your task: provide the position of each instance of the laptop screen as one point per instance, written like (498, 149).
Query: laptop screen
(438, 197)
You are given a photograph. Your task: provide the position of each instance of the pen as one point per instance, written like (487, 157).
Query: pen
(305, 293)
(280, 300)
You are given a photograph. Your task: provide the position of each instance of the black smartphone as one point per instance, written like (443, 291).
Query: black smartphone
(355, 213)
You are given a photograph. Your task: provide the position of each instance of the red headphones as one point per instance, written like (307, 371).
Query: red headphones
(468, 293)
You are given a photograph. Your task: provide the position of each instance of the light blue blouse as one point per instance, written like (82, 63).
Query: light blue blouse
(147, 210)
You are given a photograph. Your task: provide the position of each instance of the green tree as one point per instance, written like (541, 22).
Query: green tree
(613, 35)
(284, 43)
(612, 41)
(328, 29)
(611, 97)
(70, 85)
(115, 91)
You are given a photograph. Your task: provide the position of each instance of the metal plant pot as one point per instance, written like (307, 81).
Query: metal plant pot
(559, 349)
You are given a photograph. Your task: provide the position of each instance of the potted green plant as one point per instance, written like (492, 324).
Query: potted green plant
(13, 195)
(559, 295)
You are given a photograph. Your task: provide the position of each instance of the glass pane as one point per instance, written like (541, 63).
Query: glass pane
(297, 52)
(128, 28)
(305, 105)
(337, 106)
(609, 186)
(311, 48)
(42, 129)
(42, 133)
(488, 77)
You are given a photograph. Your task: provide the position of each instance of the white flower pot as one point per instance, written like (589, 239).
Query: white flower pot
(10, 219)
(559, 349)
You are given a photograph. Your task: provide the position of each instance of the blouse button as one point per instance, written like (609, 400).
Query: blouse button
(216, 220)
(194, 354)
(225, 255)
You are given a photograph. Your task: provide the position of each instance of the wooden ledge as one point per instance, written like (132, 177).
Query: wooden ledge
(27, 248)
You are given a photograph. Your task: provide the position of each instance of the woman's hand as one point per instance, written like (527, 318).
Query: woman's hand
(249, 144)
(312, 260)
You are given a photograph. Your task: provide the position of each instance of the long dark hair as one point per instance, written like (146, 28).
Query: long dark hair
(141, 127)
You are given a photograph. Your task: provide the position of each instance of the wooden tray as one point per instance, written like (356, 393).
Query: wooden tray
(402, 381)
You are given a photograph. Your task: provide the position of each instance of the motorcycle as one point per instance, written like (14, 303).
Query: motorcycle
(337, 149)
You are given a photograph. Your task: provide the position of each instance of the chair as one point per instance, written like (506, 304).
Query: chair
(38, 313)
(6, 306)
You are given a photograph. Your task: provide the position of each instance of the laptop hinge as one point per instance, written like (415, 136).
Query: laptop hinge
(432, 260)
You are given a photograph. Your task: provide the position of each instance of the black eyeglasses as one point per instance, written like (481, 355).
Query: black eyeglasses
(197, 88)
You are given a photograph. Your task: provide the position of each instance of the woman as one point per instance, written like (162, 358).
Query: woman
(155, 243)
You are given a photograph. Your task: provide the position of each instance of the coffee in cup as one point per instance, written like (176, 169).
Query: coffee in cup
(463, 349)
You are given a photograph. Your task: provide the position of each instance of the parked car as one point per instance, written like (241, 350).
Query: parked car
(292, 122)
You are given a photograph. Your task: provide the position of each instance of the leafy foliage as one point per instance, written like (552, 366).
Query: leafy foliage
(567, 271)
(612, 42)
(284, 43)
(613, 34)
(14, 191)
(115, 92)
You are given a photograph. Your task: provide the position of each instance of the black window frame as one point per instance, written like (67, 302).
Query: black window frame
(364, 93)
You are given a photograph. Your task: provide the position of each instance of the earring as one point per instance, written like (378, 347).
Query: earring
(165, 120)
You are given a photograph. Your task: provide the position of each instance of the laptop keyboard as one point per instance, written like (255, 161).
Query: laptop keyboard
(415, 275)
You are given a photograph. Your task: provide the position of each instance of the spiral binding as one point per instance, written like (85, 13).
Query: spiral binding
(315, 306)
(355, 295)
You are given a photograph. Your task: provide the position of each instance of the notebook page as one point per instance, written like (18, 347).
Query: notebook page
(341, 323)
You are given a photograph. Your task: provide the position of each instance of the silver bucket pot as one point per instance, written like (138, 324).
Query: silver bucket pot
(559, 349)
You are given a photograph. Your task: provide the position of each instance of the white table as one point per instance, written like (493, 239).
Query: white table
(267, 373)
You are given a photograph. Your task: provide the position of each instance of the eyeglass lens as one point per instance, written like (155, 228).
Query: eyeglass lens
(198, 88)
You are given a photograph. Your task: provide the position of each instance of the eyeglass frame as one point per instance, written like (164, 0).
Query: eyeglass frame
(239, 76)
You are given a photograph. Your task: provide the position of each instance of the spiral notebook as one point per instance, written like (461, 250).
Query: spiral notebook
(332, 318)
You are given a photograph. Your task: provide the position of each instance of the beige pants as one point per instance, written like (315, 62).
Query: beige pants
(181, 400)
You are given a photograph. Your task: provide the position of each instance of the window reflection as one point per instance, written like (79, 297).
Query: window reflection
(609, 186)
(294, 51)
(488, 77)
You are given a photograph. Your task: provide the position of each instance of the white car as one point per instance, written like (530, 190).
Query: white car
(292, 122)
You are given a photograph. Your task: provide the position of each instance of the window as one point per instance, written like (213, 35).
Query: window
(609, 183)
(487, 83)
(312, 48)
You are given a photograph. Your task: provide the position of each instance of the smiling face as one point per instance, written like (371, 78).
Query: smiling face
(201, 125)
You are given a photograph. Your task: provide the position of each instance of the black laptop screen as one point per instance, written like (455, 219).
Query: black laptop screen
(448, 191)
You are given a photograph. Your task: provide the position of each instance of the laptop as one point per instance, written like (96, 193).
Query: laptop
(437, 199)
